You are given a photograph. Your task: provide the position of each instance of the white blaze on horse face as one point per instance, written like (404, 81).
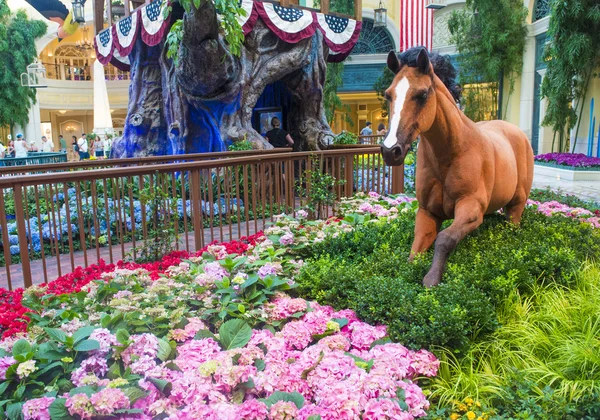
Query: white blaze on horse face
(401, 90)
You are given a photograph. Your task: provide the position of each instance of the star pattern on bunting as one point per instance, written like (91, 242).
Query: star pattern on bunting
(104, 37)
(125, 26)
(336, 24)
(287, 14)
(153, 10)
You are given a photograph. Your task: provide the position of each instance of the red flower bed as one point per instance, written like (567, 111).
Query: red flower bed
(12, 319)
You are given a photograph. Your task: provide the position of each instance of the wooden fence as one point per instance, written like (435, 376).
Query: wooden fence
(76, 218)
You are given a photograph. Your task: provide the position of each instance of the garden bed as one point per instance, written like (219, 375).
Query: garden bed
(227, 333)
(568, 166)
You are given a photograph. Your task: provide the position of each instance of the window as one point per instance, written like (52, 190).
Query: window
(541, 9)
(373, 40)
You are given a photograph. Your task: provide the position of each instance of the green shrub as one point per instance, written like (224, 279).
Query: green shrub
(543, 362)
(368, 271)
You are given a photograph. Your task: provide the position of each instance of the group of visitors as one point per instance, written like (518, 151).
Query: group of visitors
(368, 131)
(100, 148)
(19, 148)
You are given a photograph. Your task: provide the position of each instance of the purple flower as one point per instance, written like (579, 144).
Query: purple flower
(578, 160)
(5, 363)
(267, 270)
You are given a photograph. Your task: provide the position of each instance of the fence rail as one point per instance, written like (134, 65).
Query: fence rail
(35, 158)
(64, 166)
(67, 219)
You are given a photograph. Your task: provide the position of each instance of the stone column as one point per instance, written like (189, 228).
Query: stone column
(527, 86)
(33, 129)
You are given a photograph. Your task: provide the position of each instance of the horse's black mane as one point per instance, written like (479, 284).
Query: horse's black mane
(441, 65)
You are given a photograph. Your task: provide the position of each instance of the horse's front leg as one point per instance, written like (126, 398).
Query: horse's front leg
(427, 227)
(468, 215)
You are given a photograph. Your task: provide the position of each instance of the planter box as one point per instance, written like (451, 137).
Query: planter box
(566, 174)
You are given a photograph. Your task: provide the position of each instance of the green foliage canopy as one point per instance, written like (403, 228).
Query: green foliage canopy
(381, 84)
(17, 51)
(573, 52)
(490, 38)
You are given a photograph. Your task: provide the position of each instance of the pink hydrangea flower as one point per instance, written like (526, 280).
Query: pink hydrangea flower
(109, 400)
(363, 335)
(296, 334)
(105, 338)
(287, 239)
(5, 363)
(283, 410)
(37, 409)
(192, 354)
(252, 410)
(267, 270)
(79, 405)
(384, 408)
(424, 363)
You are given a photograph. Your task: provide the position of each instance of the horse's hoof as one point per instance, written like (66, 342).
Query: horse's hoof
(430, 281)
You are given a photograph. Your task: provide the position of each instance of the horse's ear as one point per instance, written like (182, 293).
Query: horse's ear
(423, 62)
(393, 63)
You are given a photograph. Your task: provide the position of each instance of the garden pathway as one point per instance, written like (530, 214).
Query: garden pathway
(586, 190)
(52, 266)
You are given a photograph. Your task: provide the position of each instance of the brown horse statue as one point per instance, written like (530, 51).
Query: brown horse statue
(465, 169)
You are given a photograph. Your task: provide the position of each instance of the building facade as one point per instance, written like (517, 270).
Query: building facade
(525, 108)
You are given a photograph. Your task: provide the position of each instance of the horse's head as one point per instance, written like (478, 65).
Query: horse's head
(412, 105)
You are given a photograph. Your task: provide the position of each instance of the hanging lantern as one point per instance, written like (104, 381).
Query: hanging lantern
(436, 4)
(78, 11)
(35, 76)
(380, 17)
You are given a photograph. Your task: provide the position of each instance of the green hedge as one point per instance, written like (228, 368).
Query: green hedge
(368, 270)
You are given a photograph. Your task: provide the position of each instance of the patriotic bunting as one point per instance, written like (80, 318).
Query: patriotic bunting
(154, 22)
(248, 20)
(341, 34)
(104, 46)
(125, 33)
(291, 25)
(120, 62)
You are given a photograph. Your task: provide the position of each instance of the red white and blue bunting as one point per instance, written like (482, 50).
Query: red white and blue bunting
(125, 33)
(291, 25)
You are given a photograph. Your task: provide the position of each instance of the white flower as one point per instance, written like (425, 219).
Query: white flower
(26, 368)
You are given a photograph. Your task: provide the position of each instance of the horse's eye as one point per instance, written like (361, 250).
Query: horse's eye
(421, 97)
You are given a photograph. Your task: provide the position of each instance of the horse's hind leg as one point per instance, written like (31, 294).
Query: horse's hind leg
(468, 215)
(514, 210)
(427, 227)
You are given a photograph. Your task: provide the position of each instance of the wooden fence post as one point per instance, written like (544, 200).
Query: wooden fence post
(397, 179)
(349, 175)
(22, 234)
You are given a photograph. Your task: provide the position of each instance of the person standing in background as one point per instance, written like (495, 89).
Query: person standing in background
(46, 145)
(82, 145)
(62, 144)
(32, 146)
(21, 148)
(367, 131)
(381, 130)
(10, 152)
(99, 147)
(107, 146)
(277, 136)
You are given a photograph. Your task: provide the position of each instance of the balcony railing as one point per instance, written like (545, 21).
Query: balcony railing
(82, 73)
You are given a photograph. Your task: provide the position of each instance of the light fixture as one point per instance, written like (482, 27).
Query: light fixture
(85, 44)
(50, 54)
(78, 11)
(380, 16)
(63, 111)
(112, 110)
(436, 4)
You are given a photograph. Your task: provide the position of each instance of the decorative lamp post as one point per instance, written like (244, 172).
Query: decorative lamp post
(436, 4)
(78, 11)
(380, 18)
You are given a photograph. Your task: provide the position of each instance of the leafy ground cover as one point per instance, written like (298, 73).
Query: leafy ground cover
(367, 269)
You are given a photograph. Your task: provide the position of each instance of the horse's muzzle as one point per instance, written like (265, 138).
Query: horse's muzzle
(394, 156)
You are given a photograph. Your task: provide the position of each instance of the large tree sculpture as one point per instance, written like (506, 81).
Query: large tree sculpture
(206, 96)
